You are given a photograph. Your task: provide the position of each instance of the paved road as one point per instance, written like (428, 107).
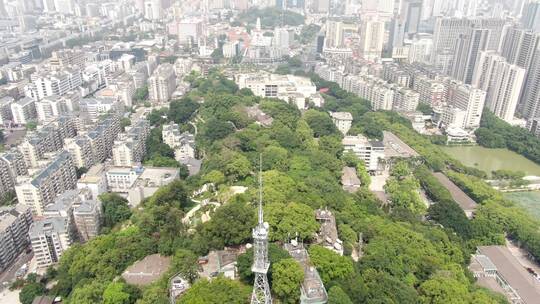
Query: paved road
(9, 274)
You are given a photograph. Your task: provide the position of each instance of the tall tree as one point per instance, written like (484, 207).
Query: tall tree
(115, 209)
(287, 277)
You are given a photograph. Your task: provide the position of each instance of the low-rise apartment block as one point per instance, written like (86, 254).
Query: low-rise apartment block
(5, 110)
(14, 224)
(11, 166)
(80, 148)
(183, 144)
(102, 137)
(23, 111)
(50, 239)
(58, 176)
(130, 148)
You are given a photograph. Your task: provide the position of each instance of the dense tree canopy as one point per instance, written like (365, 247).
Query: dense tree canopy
(180, 111)
(217, 291)
(496, 133)
(290, 220)
(271, 17)
(330, 265)
(115, 209)
(287, 277)
(404, 256)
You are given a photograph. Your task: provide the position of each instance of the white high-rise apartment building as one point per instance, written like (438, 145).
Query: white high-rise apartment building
(334, 34)
(469, 99)
(153, 9)
(467, 53)
(447, 30)
(162, 83)
(502, 82)
(519, 45)
(530, 107)
(530, 17)
(372, 34)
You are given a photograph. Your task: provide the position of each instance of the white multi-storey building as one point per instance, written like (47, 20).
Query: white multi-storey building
(48, 83)
(420, 50)
(405, 100)
(49, 108)
(130, 149)
(342, 120)
(432, 92)
(80, 148)
(68, 57)
(182, 143)
(102, 137)
(502, 82)
(285, 87)
(162, 83)
(121, 179)
(122, 88)
(5, 110)
(371, 152)
(469, 99)
(41, 190)
(94, 107)
(11, 166)
(50, 239)
(453, 117)
(14, 224)
(377, 91)
(23, 111)
(87, 217)
(98, 72)
(372, 34)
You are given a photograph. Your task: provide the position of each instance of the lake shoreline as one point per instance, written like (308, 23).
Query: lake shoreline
(488, 160)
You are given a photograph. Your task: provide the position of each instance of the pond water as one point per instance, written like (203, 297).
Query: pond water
(529, 200)
(492, 159)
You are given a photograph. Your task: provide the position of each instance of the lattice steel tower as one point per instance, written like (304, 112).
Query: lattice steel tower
(261, 289)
